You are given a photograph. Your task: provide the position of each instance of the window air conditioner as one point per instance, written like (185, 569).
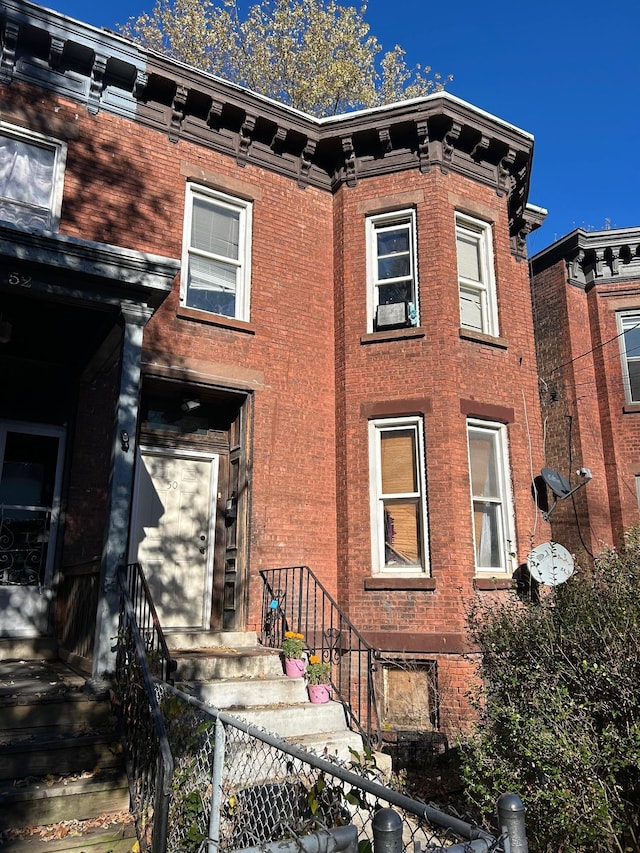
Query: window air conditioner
(394, 315)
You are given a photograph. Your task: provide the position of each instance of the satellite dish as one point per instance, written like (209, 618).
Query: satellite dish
(556, 482)
(550, 564)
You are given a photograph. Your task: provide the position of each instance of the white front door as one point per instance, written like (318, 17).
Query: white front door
(30, 478)
(173, 532)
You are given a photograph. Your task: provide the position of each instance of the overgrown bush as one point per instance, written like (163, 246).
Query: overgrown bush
(559, 710)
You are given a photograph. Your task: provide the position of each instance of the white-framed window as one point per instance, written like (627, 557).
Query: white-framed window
(399, 533)
(392, 270)
(476, 278)
(491, 503)
(31, 178)
(629, 329)
(216, 253)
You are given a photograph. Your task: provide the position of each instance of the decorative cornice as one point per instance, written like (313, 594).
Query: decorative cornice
(594, 257)
(112, 74)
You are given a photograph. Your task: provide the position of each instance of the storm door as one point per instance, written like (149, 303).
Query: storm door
(173, 533)
(31, 458)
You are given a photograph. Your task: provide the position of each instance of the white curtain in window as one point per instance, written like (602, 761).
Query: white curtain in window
(26, 172)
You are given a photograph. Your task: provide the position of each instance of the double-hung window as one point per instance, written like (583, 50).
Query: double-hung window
(216, 256)
(392, 270)
(398, 497)
(31, 178)
(490, 497)
(629, 327)
(476, 279)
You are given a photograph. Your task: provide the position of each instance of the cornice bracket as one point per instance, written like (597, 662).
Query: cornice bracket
(504, 177)
(575, 272)
(480, 148)
(244, 139)
(56, 49)
(449, 146)
(96, 85)
(140, 84)
(277, 141)
(177, 112)
(349, 160)
(306, 159)
(9, 47)
(384, 135)
(424, 158)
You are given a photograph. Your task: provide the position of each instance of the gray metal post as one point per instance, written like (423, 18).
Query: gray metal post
(511, 821)
(387, 832)
(219, 744)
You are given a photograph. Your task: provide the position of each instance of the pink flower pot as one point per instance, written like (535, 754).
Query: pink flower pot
(294, 667)
(319, 693)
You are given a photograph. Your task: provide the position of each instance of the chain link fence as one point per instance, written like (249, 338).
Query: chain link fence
(236, 786)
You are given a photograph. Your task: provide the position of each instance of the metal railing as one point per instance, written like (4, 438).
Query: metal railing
(161, 663)
(236, 787)
(295, 600)
(147, 755)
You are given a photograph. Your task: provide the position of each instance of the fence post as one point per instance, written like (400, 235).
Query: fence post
(511, 821)
(387, 832)
(220, 740)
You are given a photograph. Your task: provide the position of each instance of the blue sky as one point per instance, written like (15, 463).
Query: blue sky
(568, 73)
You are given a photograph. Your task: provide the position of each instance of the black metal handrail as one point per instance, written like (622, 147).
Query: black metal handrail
(147, 754)
(162, 665)
(295, 600)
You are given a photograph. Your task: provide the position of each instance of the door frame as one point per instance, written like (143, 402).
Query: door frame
(183, 453)
(50, 575)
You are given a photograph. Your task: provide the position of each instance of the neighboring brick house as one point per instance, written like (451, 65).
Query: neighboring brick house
(234, 337)
(586, 299)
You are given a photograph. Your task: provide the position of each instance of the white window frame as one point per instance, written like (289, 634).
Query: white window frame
(22, 209)
(374, 225)
(377, 497)
(242, 264)
(503, 500)
(627, 320)
(481, 233)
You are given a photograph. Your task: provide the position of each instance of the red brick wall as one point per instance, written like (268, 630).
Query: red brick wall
(583, 406)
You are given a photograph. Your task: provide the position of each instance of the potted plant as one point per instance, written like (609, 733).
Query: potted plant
(318, 675)
(292, 648)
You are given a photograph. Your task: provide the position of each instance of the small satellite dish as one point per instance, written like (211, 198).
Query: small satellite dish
(550, 564)
(556, 482)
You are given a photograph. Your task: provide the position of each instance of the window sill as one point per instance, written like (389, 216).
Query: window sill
(481, 338)
(392, 335)
(385, 582)
(489, 584)
(214, 320)
(631, 408)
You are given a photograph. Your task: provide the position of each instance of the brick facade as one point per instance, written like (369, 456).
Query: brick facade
(580, 285)
(305, 370)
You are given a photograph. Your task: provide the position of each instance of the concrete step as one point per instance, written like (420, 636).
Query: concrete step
(331, 744)
(240, 693)
(227, 662)
(293, 721)
(186, 640)
(40, 648)
(47, 801)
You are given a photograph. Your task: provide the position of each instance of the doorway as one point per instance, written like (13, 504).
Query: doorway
(31, 457)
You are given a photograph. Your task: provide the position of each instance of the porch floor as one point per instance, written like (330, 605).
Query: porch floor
(20, 678)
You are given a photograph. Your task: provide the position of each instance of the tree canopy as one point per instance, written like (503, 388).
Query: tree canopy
(559, 712)
(315, 55)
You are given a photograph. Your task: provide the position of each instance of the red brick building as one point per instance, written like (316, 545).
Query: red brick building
(234, 337)
(586, 298)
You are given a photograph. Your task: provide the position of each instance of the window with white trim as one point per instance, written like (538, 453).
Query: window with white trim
(216, 254)
(629, 328)
(492, 508)
(398, 495)
(476, 279)
(31, 178)
(392, 270)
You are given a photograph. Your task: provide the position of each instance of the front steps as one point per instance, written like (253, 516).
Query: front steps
(233, 673)
(62, 782)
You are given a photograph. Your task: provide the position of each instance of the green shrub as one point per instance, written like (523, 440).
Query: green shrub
(559, 710)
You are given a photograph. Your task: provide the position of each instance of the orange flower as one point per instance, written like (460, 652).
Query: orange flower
(314, 659)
